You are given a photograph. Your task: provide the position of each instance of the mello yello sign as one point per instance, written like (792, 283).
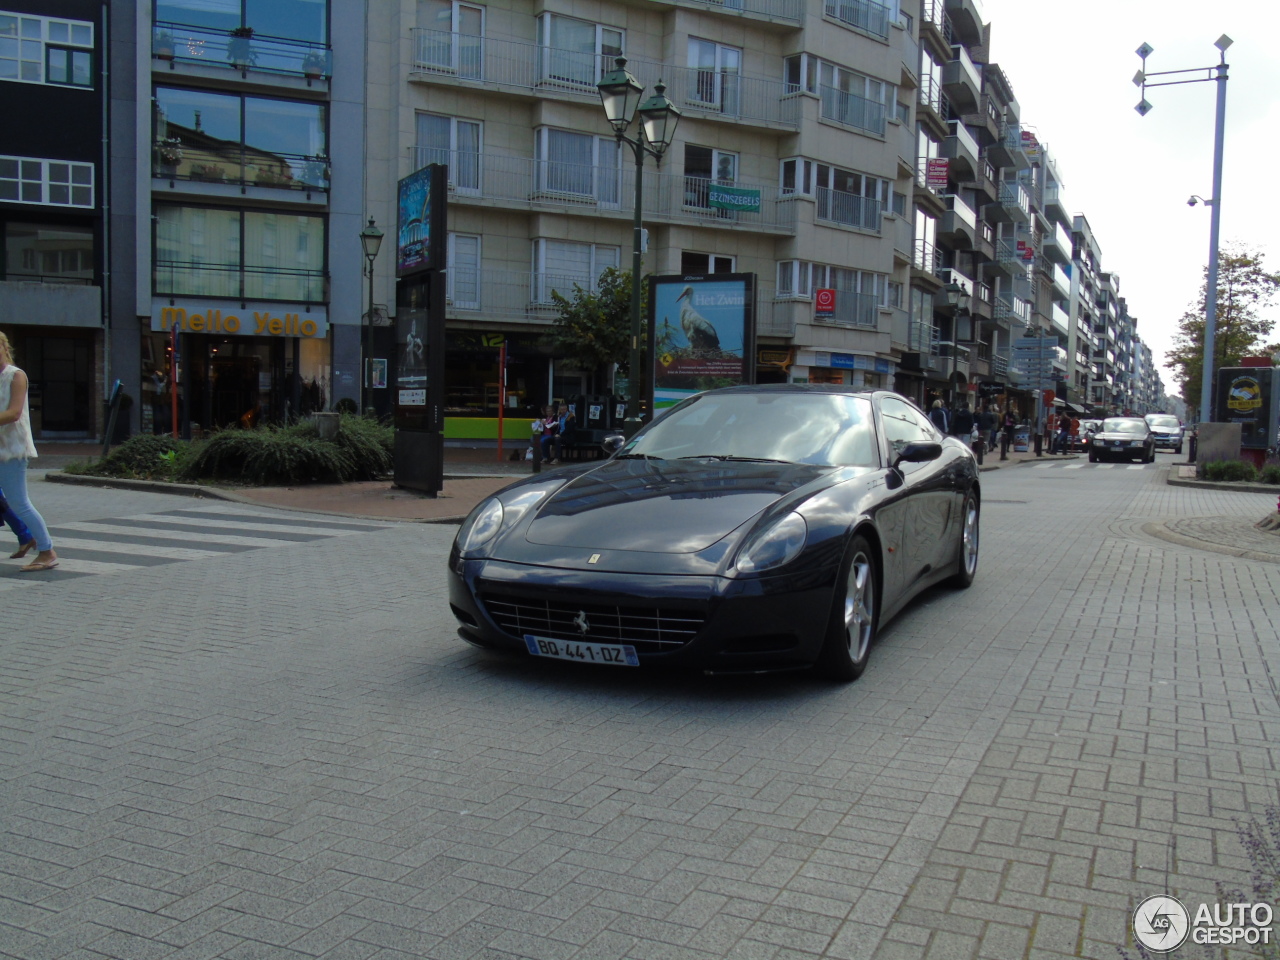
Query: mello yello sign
(262, 324)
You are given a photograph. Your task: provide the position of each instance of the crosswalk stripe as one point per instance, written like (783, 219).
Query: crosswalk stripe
(112, 527)
(1137, 466)
(1073, 466)
(79, 545)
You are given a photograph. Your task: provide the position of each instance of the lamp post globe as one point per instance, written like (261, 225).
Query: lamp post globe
(620, 94)
(659, 118)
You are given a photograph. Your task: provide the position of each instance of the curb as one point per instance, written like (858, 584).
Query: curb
(1238, 486)
(1161, 532)
(198, 492)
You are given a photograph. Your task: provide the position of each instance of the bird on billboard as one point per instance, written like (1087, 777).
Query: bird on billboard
(702, 335)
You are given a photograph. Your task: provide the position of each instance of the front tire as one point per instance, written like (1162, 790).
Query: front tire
(852, 627)
(1093, 457)
(967, 566)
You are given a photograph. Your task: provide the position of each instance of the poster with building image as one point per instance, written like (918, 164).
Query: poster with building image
(420, 217)
(701, 334)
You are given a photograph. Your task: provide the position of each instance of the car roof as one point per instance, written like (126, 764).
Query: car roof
(801, 388)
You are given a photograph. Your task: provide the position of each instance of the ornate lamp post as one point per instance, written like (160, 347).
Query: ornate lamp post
(371, 241)
(620, 95)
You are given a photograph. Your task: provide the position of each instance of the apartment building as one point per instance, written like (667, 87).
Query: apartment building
(240, 176)
(54, 289)
(807, 104)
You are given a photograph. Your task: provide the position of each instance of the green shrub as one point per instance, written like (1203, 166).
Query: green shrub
(144, 457)
(369, 444)
(269, 456)
(1270, 473)
(1229, 470)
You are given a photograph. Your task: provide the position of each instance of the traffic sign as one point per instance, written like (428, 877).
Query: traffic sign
(1048, 396)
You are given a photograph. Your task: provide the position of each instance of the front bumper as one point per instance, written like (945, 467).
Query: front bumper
(735, 625)
(1172, 443)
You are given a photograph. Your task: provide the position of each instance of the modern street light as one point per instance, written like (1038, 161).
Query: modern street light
(958, 297)
(620, 95)
(1033, 331)
(1218, 74)
(371, 241)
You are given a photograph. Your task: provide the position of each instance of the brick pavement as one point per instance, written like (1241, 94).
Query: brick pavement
(288, 754)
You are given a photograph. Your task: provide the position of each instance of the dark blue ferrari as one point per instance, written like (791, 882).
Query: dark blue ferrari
(744, 530)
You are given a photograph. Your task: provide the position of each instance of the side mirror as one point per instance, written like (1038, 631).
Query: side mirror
(919, 451)
(612, 443)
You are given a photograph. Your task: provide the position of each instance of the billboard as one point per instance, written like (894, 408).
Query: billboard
(1247, 396)
(701, 334)
(420, 220)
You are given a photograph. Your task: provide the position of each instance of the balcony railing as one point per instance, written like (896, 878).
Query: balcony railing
(792, 10)
(522, 65)
(239, 164)
(186, 279)
(999, 366)
(965, 213)
(900, 328)
(851, 110)
(930, 95)
(927, 257)
(1014, 198)
(202, 45)
(538, 184)
(854, 310)
(849, 209)
(863, 14)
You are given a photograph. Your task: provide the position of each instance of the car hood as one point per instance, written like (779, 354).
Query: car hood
(1112, 437)
(1169, 431)
(668, 506)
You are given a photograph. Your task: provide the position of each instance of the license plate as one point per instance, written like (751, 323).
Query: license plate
(613, 654)
(1118, 446)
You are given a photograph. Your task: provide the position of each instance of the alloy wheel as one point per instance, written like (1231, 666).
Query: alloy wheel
(859, 608)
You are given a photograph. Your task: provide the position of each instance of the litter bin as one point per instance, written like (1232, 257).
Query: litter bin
(1021, 439)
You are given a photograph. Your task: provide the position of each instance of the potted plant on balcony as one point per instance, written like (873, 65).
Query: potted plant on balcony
(212, 172)
(313, 65)
(162, 45)
(315, 172)
(168, 155)
(240, 48)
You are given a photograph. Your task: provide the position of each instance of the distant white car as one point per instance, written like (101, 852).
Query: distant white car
(1167, 430)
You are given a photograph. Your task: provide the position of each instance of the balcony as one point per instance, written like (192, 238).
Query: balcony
(954, 358)
(966, 20)
(849, 209)
(1056, 244)
(854, 310)
(986, 118)
(869, 17)
(961, 81)
(1014, 205)
(1061, 320)
(239, 165)
(1007, 150)
(927, 259)
(851, 110)
(524, 68)
(962, 150)
(1061, 283)
(1000, 367)
(933, 101)
(959, 223)
(179, 44)
(791, 11)
(524, 183)
(900, 329)
(1054, 205)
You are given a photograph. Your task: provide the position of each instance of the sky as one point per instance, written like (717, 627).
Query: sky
(1071, 66)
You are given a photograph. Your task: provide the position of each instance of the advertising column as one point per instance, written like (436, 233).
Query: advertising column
(421, 240)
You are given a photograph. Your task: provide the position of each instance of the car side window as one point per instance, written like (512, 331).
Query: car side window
(903, 424)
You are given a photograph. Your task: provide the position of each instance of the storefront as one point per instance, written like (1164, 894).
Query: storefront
(865, 371)
(237, 365)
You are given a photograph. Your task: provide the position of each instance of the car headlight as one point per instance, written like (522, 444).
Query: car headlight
(773, 545)
(480, 526)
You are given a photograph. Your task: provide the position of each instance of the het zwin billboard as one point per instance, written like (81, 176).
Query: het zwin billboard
(701, 334)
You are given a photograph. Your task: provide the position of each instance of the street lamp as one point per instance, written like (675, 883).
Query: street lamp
(620, 95)
(1033, 331)
(958, 297)
(1218, 75)
(371, 241)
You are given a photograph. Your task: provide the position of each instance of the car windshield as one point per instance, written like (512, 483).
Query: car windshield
(1124, 426)
(1171, 422)
(828, 429)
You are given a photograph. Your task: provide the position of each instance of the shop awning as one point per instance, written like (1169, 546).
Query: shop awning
(1074, 408)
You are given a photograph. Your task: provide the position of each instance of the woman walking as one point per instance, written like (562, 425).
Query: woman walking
(16, 448)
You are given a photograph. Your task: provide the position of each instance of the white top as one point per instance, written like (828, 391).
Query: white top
(15, 438)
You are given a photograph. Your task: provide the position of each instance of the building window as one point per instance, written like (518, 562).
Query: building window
(286, 19)
(451, 39)
(560, 264)
(54, 183)
(795, 280)
(702, 165)
(717, 74)
(846, 96)
(464, 271)
(797, 177)
(702, 264)
(577, 52)
(48, 252)
(578, 165)
(243, 254)
(454, 142)
(46, 50)
(850, 198)
(202, 135)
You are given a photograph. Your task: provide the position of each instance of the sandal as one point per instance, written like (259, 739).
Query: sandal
(22, 551)
(37, 565)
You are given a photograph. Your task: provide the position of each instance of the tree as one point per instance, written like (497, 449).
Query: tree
(1245, 292)
(594, 327)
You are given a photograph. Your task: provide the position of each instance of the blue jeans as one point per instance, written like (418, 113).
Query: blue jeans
(13, 481)
(14, 521)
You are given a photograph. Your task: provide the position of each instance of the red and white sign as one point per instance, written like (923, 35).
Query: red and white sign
(824, 303)
(936, 171)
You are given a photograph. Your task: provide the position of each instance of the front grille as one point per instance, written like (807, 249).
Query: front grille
(645, 627)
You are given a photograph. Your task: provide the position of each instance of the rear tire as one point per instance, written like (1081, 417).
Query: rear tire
(1093, 457)
(967, 565)
(852, 627)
